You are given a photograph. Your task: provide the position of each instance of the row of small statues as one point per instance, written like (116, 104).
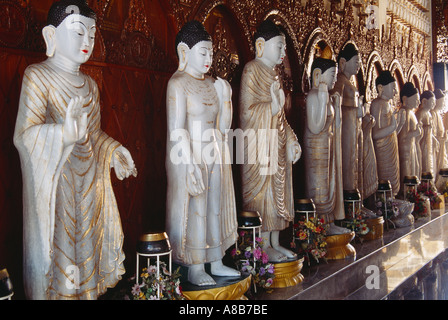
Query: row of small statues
(70, 212)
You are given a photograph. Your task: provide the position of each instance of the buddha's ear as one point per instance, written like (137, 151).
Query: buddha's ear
(405, 100)
(316, 77)
(182, 51)
(259, 47)
(48, 32)
(342, 63)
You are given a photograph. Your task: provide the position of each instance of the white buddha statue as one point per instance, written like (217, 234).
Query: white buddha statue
(410, 133)
(428, 143)
(440, 153)
(72, 235)
(201, 210)
(267, 186)
(322, 145)
(352, 113)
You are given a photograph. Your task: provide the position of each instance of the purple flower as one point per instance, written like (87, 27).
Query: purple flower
(264, 258)
(262, 271)
(247, 254)
(271, 268)
(135, 289)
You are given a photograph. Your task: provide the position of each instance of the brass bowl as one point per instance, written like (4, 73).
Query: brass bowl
(384, 185)
(427, 176)
(6, 288)
(247, 218)
(154, 243)
(411, 180)
(443, 172)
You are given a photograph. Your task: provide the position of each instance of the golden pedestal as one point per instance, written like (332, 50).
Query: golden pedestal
(339, 247)
(376, 228)
(287, 274)
(234, 291)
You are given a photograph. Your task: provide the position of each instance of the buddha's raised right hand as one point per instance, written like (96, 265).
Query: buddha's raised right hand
(75, 123)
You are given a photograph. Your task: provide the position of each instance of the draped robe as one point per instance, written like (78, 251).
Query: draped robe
(72, 233)
(386, 148)
(266, 173)
(201, 228)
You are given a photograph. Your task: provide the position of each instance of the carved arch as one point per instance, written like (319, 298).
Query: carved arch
(374, 66)
(316, 41)
(428, 84)
(414, 77)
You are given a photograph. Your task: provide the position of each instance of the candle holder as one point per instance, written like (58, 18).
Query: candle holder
(352, 204)
(384, 196)
(428, 178)
(153, 246)
(410, 185)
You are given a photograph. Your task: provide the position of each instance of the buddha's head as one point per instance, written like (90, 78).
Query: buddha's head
(270, 44)
(323, 71)
(349, 60)
(409, 96)
(440, 100)
(386, 85)
(70, 31)
(194, 49)
(428, 100)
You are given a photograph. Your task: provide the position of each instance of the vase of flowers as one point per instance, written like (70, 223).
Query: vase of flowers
(161, 285)
(309, 236)
(430, 191)
(420, 202)
(250, 258)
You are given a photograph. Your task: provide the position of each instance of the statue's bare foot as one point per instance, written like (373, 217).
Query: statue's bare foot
(198, 276)
(275, 255)
(219, 269)
(288, 253)
(334, 230)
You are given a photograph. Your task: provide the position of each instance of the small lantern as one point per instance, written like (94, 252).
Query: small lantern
(410, 185)
(352, 203)
(153, 246)
(428, 179)
(385, 195)
(250, 220)
(303, 209)
(6, 290)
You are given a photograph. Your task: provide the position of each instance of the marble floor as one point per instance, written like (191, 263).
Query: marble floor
(407, 263)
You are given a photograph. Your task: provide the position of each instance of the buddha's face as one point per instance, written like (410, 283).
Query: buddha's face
(200, 57)
(329, 77)
(275, 50)
(389, 91)
(75, 38)
(440, 104)
(411, 102)
(352, 66)
(431, 103)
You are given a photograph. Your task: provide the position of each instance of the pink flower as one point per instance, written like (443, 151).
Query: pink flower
(264, 258)
(257, 253)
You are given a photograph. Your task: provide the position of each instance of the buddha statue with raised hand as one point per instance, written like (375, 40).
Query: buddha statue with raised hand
(72, 234)
(322, 145)
(384, 133)
(267, 169)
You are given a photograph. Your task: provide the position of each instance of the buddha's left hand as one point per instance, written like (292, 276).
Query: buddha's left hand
(123, 163)
(294, 151)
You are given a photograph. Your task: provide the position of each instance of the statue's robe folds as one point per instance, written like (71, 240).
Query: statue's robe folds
(387, 154)
(72, 233)
(200, 228)
(323, 168)
(408, 146)
(266, 173)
